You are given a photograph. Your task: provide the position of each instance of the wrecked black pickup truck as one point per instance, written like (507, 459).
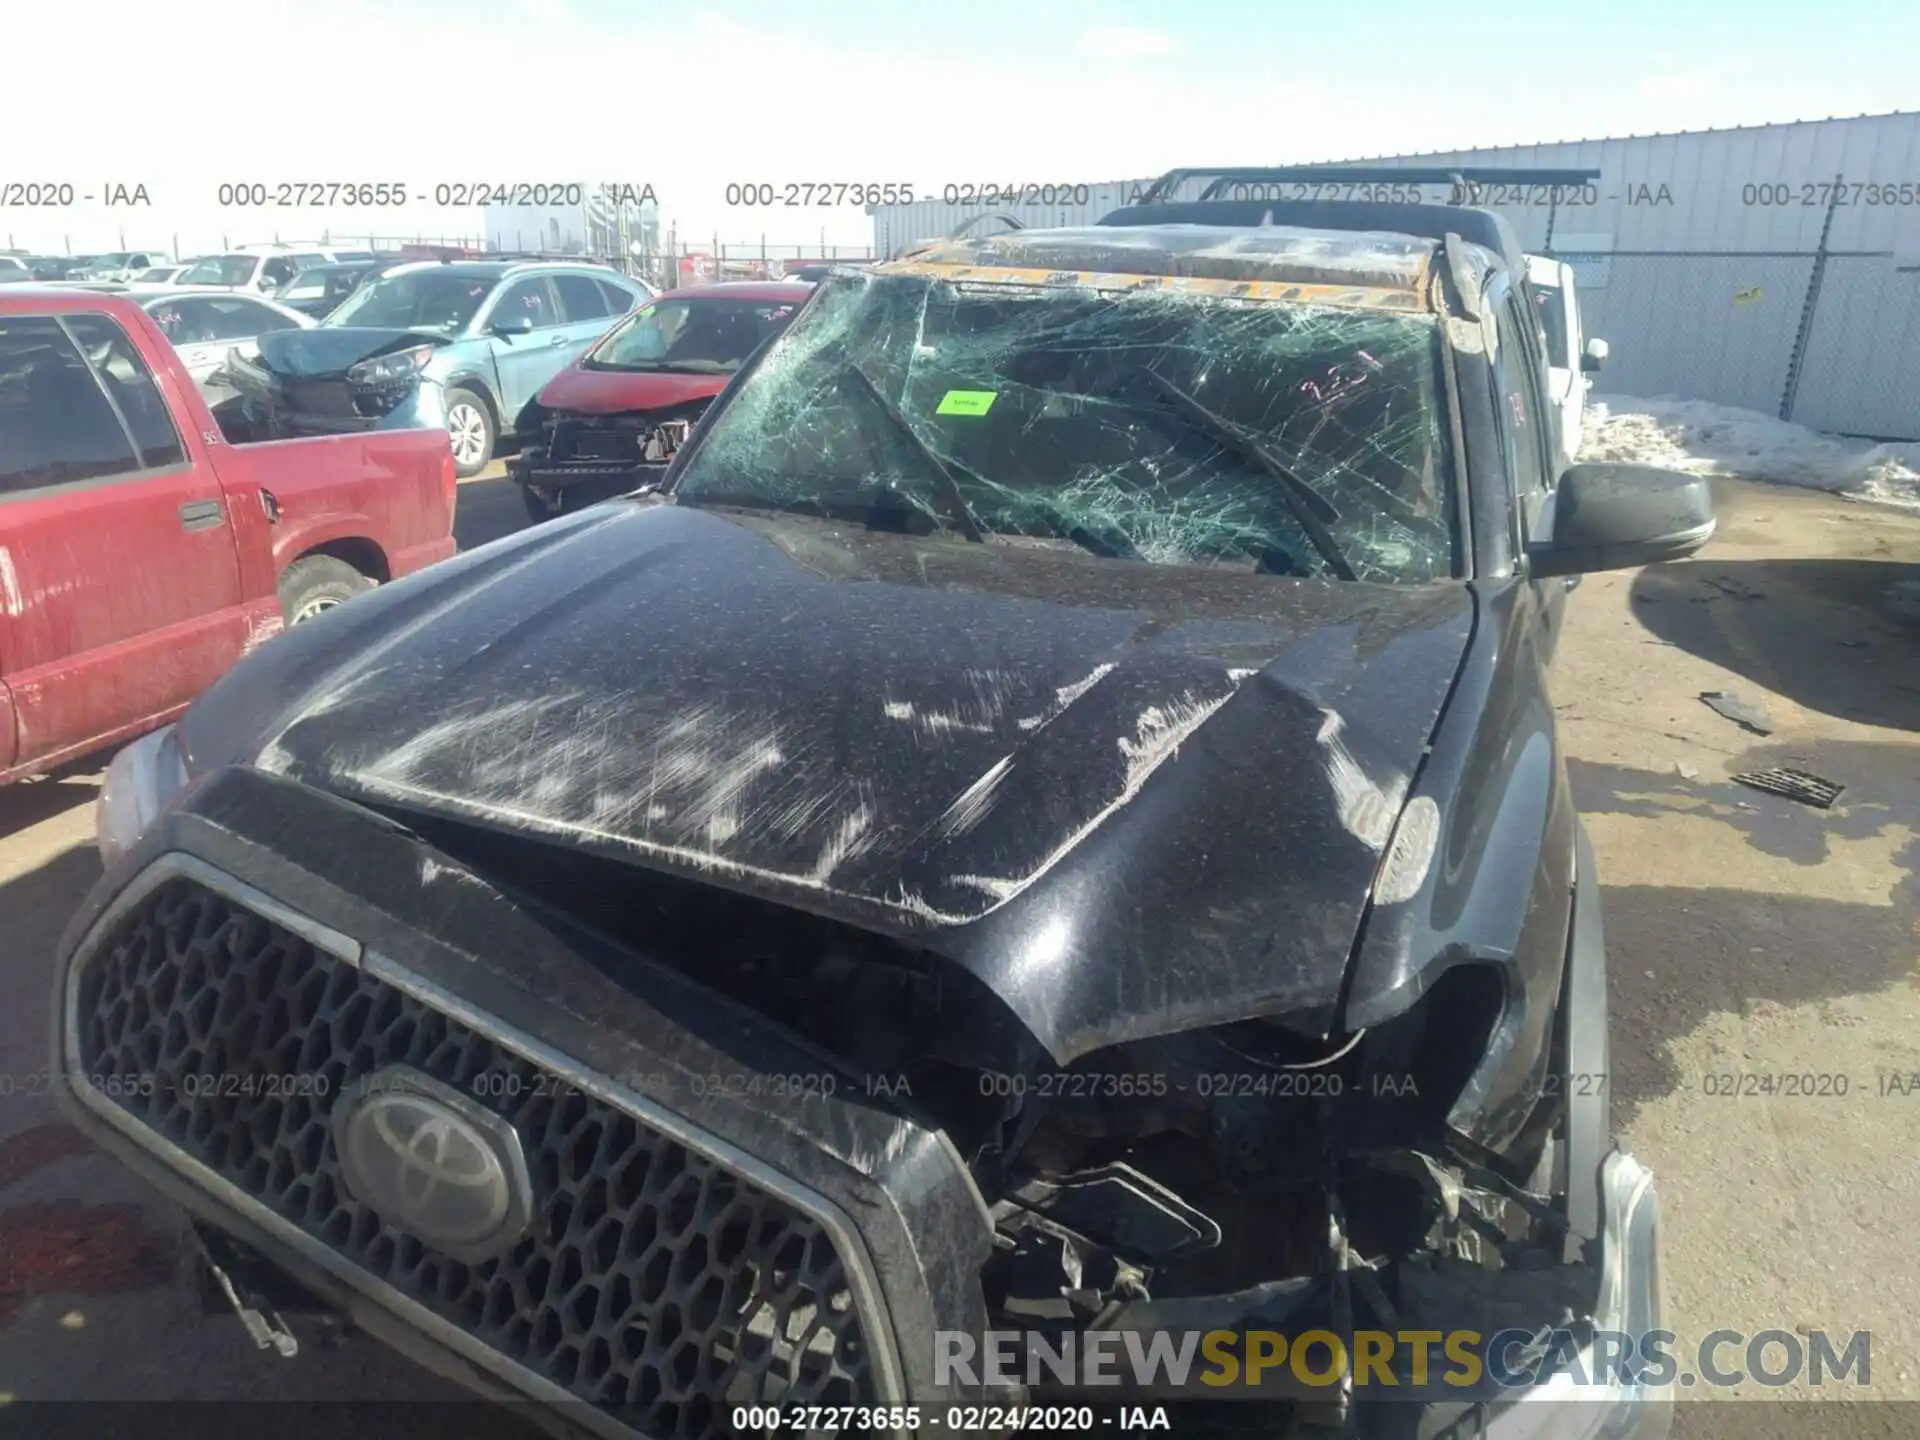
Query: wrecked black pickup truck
(1050, 820)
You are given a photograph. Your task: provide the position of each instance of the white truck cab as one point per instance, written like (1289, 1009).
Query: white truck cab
(1572, 359)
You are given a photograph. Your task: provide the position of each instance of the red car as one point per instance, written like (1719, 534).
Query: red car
(142, 552)
(612, 422)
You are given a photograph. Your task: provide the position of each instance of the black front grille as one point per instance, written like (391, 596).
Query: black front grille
(652, 1283)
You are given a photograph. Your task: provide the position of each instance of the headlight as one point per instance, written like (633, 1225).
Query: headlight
(141, 783)
(390, 369)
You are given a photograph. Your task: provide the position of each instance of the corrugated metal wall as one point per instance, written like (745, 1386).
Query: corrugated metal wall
(1697, 256)
(1746, 207)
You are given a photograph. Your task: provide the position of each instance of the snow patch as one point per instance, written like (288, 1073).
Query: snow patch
(1702, 438)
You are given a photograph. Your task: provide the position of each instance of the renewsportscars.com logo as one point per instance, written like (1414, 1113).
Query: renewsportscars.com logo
(1214, 1363)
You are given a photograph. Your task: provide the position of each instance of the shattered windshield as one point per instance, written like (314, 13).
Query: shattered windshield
(433, 300)
(1167, 427)
(703, 336)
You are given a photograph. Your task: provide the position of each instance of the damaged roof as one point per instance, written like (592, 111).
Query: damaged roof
(1372, 270)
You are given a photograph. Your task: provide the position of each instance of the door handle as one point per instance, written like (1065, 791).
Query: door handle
(558, 340)
(201, 515)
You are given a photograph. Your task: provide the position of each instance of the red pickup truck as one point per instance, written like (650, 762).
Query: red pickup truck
(143, 551)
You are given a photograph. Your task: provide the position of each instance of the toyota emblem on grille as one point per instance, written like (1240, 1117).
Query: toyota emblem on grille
(434, 1163)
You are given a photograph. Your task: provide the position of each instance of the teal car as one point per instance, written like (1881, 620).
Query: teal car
(485, 335)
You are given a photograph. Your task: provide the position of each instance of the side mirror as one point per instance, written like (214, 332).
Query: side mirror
(513, 325)
(1613, 517)
(1593, 357)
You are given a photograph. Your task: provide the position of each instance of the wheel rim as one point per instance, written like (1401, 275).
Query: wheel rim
(318, 605)
(468, 429)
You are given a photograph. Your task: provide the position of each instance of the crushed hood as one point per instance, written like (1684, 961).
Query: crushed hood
(1131, 798)
(326, 351)
(613, 392)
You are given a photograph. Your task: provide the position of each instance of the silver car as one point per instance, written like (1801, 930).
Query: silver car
(122, 265)
(263, 271)
(207, 326)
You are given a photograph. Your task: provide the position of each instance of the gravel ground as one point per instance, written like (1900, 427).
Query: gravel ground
(1749, 936)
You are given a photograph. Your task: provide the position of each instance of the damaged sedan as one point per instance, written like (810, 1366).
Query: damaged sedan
(462, 345)
(1048, 818)
(613, 421)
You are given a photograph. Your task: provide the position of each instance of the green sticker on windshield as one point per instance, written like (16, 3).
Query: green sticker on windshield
(966, 402)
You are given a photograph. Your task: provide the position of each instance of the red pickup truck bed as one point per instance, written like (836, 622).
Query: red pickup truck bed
(141, 553)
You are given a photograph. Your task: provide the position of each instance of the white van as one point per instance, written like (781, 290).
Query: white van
(260, 268)
(1572, 360)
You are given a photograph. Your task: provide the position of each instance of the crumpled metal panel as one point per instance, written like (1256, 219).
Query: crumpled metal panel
(1277, 255)
(654, 1284)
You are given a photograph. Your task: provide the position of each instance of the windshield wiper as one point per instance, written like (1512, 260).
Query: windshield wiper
(1117, 547)
(664, 367)
(949, 485)
(1309, 507)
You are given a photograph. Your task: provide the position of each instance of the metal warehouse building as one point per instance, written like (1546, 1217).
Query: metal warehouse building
(1773, 267)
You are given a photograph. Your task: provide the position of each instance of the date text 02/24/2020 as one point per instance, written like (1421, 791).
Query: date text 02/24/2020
(952, 1419)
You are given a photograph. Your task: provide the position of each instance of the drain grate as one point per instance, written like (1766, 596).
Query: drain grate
(1801, 785)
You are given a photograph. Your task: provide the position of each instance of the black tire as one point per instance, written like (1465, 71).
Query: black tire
(538, 510)
(478, 435)
(316, 584)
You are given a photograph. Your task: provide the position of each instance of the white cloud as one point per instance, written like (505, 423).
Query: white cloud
(1126, 42)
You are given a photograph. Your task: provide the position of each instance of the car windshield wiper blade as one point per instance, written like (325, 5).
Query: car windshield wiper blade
(1114, 547)
(1309, 507)
(949, 485)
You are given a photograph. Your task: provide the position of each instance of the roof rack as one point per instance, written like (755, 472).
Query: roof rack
(1463, 178)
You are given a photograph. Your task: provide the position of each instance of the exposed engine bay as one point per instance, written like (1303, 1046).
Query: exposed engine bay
(562, 448)
(1235, 1177)
(593, 440)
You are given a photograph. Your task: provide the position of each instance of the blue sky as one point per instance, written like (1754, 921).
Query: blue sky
(689, 98)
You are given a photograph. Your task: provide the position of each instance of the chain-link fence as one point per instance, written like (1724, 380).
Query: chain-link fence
(686, 262)
(1829, 339)
(678, 262)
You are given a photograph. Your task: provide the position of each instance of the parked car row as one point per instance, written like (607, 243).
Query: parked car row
(487, 333)
(261, 268)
